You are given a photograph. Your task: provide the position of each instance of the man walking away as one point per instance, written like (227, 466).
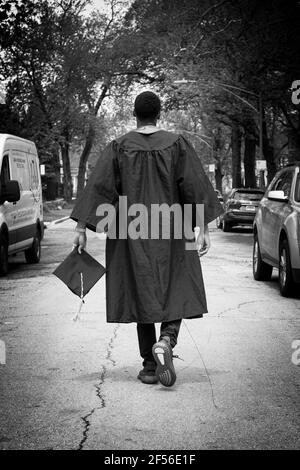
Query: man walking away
(150, 280)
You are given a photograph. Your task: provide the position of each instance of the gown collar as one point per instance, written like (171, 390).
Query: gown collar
(150, 129)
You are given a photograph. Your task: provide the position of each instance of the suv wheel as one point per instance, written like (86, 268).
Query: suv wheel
(226, 226)
(33, 254)
(261, 270)
(286, 283)
(3, 255)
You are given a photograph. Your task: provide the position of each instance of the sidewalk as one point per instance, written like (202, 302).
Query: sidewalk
(56, 211)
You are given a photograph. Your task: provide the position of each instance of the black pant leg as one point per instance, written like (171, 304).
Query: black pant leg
(171, 329)
(147, 337)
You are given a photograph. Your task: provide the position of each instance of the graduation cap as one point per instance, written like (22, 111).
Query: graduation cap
(79, 272)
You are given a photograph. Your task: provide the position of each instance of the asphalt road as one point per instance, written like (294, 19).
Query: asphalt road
(72, 385)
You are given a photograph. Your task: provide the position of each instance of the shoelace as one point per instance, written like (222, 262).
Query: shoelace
(175, 356)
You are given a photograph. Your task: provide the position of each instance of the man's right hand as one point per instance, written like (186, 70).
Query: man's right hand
(202, 240)
(80, 241)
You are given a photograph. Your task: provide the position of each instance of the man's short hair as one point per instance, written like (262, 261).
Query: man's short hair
(147, 105)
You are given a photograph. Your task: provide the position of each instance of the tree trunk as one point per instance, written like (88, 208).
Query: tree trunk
(67, 178)
(84, 158)
(249, 162)
(89, 143)
(271, 165)
(56, 169)
(293, 146)
(236, 156)
(268, 151)
(56, 162)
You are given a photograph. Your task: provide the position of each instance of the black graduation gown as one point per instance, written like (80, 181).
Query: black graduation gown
(150, 280)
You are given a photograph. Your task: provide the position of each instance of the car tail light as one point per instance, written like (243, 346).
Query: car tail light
(233, 204)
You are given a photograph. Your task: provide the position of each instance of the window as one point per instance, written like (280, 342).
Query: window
(5, 173)
(251, 196)
(34, 177)
(284, 182)
(20, 169)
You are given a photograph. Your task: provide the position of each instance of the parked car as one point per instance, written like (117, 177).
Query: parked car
(277, 231)
(240, 207)
(21, 206)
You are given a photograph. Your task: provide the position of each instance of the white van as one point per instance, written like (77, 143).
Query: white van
(21, 206)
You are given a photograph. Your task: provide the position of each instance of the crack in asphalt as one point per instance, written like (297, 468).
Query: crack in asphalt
(237, 307)
(87, 425)
(242, 260)
(110, 346)
(242, 304)
(87, 418)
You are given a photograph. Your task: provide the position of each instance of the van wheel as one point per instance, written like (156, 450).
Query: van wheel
(226, 226)
(261, 270)
(33, 254)
(3, 255)
(286, 283)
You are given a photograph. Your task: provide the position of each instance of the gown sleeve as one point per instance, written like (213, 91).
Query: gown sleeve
(102, 188)
(194, 185)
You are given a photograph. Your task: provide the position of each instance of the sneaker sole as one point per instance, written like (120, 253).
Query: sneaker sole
(149, 380)
(165, 371)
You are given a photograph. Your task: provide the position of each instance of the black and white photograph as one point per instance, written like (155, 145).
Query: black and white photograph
(149, 228)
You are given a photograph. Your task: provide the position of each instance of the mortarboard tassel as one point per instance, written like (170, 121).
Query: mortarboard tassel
(76, 317)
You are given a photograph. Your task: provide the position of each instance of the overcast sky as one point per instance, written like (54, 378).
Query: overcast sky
(98, 5)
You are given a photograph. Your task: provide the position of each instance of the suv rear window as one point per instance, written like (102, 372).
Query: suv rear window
(283, 182)
(251, 196)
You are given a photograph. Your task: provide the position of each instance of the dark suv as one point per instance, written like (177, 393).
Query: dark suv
(240, 207)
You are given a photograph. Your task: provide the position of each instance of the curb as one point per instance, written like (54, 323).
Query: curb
(54, 222)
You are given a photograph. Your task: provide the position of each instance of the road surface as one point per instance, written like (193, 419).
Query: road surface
(68, 385)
